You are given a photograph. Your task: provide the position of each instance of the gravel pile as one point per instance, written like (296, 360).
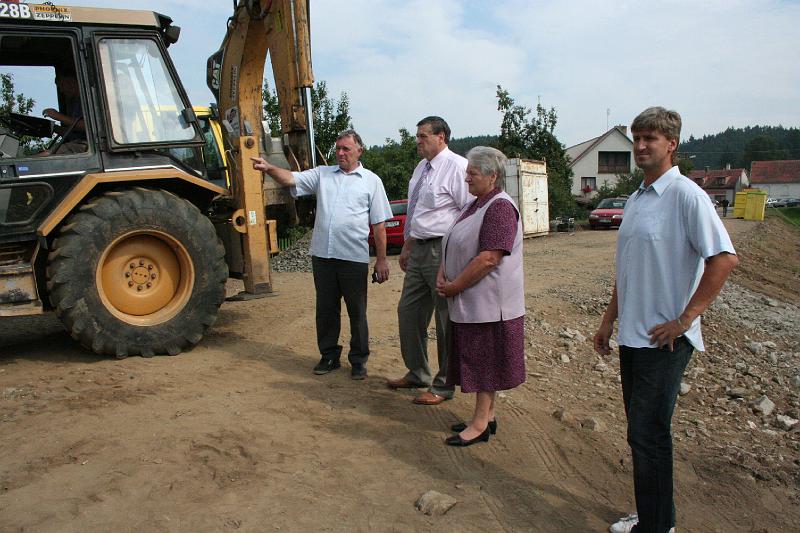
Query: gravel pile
(295, 258)
(740, 399)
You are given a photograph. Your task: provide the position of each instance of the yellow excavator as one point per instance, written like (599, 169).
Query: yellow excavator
(125, 210)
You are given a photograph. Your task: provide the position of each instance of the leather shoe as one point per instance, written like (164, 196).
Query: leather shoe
(358, 371)
(402, 383)
(429, 398)
(461, 426)
(456, 440)
(326, 365)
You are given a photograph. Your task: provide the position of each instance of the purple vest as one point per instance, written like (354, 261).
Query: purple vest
(500, 295)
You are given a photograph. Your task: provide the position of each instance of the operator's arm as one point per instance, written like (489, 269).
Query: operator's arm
(717, 270)
(281, 175)
(603, 335)
(476, 270)
(65, 120)
(381, 264)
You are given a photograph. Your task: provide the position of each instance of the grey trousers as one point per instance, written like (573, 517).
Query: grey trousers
(417, 303)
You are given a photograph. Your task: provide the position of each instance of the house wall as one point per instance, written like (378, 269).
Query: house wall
(588, 165)
(780, 190)
(719, 194)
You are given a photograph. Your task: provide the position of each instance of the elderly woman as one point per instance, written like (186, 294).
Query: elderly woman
(481, 277)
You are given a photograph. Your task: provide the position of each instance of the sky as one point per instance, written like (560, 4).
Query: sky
(719, 63)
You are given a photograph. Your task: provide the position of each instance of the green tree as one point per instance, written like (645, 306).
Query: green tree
(685, 165)
(528, 135)
(393, 162)
(271, 111)
(11, 102)
(625, 186)
(330, 117)
(762, 148)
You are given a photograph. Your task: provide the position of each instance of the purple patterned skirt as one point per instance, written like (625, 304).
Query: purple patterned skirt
(487, 357)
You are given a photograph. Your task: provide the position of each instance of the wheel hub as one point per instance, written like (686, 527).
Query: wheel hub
(142, 274)
(145, 277)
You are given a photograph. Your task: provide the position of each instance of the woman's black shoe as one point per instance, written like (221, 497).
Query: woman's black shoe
(456, 440)
(461, 426)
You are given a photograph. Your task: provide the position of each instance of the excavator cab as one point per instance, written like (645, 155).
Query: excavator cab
(114, 208)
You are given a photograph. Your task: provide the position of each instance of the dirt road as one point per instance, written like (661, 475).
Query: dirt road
(239, 434)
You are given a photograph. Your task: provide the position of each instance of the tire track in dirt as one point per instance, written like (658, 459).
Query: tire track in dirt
(460, 460)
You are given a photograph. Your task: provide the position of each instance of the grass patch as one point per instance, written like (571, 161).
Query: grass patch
(789, 214)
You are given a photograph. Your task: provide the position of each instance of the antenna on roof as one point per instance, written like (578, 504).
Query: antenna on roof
(608, 117)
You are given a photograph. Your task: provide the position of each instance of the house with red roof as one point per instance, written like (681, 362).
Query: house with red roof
(598, 161)
(780, 179)
(721, 184)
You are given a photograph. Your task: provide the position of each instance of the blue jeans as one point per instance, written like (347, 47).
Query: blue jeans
(651, 379)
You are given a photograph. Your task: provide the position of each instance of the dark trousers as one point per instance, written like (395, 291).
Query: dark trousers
(651, 379)
(335, 279)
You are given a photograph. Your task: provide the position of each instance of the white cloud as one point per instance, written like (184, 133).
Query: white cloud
(719, 63)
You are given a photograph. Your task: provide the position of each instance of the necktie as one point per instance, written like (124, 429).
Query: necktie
(412, 202)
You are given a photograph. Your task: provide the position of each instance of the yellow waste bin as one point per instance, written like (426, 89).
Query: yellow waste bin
(740, 202)
(754, 207)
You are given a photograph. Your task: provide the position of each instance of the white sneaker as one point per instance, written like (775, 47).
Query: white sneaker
(626, 523)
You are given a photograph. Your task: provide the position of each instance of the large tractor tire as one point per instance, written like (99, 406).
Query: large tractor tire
(137, 272)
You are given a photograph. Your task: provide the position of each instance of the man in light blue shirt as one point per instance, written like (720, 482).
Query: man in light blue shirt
(350, 198)
(673, 257)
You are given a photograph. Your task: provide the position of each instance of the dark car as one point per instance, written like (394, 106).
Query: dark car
(395, 226)
(793, 202)
(608, 213)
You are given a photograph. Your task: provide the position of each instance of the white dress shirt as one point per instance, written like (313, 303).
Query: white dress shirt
(441, 198)
(668, 231)
(347, 204)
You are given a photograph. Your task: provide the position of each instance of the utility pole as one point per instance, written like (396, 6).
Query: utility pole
(608, 117)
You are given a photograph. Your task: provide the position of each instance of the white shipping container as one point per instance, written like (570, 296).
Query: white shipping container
(526, 183)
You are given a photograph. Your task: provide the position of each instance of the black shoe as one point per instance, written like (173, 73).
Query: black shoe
(456, 440)
(461, 426)
(326, 365)
(358, 371)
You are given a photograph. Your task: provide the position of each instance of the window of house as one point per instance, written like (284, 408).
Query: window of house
(613, 162)
(699, 181)
(590, 182)
(719, 181)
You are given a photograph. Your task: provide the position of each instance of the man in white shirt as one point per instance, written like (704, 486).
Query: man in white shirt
(673, 257)
(436, 194)
(350, 198)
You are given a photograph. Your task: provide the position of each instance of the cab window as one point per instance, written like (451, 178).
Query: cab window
(42, 109)
(144, 105)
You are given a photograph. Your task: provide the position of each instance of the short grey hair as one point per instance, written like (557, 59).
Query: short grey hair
(490, 161)
(659, 119)
(355, 136)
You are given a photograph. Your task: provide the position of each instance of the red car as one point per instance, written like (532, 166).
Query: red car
(608, 213)
(394, 226)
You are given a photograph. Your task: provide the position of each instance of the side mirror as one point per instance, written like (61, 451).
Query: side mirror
(171, 35)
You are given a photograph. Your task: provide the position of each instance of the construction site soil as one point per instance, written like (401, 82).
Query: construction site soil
(239, 434)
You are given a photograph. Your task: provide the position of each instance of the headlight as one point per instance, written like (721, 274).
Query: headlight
(617, 216)
(593, 216)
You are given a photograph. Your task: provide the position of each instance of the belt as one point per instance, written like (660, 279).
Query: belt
(425, 241)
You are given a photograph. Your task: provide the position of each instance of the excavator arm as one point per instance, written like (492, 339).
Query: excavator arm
(235, 75)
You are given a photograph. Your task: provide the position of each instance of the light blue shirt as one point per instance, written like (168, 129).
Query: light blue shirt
(347, 204)
(668, 231)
